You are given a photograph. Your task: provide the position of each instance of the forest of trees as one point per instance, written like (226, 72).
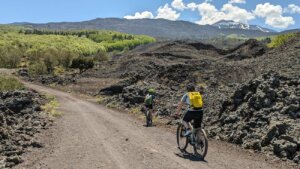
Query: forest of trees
(43, 50)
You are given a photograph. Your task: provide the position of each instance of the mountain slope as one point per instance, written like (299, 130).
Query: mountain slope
(227, 24)
(158, 28)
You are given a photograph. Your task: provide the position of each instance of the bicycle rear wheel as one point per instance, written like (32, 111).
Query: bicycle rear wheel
(201, 143)
(182, 141)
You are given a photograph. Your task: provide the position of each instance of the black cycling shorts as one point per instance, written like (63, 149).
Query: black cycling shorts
(149, 106)
(196, 115)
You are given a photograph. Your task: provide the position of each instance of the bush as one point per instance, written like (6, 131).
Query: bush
(9, 83)
(37, 69)
(82, 64)
(58, 71)
(280, 40)
(10, 56)
(101, 56)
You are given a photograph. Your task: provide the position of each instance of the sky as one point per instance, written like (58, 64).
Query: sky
(275, 14)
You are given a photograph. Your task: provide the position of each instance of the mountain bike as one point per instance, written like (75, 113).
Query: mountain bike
(198, 139)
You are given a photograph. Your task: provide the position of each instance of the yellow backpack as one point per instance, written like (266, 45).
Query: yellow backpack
(195, 100)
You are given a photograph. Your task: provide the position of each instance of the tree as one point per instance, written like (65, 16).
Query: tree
(50, 58)
(101, 55)
(82, 64)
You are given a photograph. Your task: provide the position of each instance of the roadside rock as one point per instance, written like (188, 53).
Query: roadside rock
(52, 79)
(20, 120)
(23, 72)
(260, 114)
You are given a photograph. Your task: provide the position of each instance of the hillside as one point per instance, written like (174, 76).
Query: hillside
(158, 28)
(44, 51)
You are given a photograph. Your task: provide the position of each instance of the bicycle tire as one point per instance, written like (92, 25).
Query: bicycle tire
(203, 140)
(179, 136)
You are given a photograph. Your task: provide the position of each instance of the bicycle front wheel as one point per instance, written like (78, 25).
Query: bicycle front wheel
(201, 143)
(182, 141)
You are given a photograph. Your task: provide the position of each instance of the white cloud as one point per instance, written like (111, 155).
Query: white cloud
(292, 9)
(210, 14)
(268, 10)
(178, 4)
(273, 15)
(193, 6)
(167, 13)
(237, 1)
(237, 14)
(280, 21)
(143, 15)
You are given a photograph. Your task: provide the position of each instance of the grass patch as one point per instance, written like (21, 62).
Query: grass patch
(113, 105)
(51, 106)
(100, 100)
(135, 110)
(52, 84)
(10, 83)
(279, 40)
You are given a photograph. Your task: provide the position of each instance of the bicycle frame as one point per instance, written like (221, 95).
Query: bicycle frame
(193, 140)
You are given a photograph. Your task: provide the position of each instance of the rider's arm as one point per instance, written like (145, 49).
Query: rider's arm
(180, 104)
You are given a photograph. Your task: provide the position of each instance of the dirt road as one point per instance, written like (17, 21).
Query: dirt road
(91, 136)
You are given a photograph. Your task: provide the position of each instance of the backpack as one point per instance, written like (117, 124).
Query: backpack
(195, 100)
(149, 99)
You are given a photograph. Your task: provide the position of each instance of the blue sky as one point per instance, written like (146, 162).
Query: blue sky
(275, 14)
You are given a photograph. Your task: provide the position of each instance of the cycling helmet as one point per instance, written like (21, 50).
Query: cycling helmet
(190, 88)
(151, 91)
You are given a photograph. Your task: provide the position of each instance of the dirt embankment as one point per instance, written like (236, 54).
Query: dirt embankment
(21, 118)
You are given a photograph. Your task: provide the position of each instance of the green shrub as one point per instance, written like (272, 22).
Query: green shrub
(9, 83)
(37, 68)
(101, 56)
(51, 106)
(58, 71)
(10, 56)
(280, 40)
(82, 64)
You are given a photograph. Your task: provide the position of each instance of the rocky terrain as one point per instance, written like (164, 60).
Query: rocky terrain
(263, 114)
(47, 79)
(21, 118)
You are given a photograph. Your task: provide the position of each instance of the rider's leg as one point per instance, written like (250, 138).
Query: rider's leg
(186, 124)
(185, 121)
(151, 113)
(198, 116)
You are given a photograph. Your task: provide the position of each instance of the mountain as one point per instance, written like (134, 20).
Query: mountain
(159, 28)
(228, 24)
(290, 31)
